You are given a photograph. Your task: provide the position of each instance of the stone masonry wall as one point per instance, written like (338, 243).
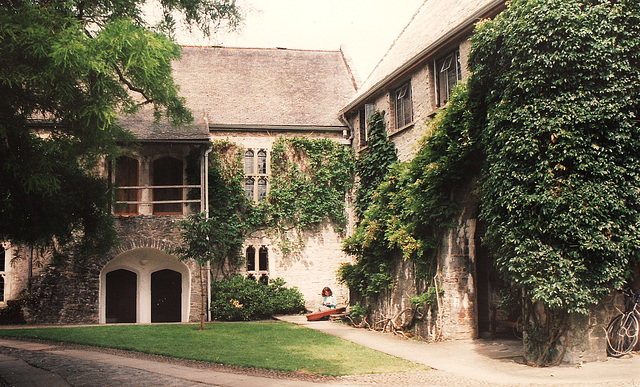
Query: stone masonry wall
(69, 291)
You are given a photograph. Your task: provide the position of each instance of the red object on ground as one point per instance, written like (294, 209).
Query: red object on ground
(318, 315)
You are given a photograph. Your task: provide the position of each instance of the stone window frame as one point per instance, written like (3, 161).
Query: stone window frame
(403, 105)
(257, 263)
(447, 71)
(256, 174)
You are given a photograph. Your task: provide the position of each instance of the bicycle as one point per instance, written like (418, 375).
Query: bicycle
(622, 332)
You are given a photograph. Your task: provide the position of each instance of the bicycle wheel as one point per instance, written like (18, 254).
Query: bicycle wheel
(622, 334)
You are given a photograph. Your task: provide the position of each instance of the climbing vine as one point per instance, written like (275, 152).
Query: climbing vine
(310, 180)
(406, 206)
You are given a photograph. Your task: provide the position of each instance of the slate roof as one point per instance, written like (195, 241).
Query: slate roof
(433, 24)
(254, 87)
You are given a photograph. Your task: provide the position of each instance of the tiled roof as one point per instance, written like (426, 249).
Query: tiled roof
(248, 86)
(146, 128)
(253, 87)
(430, 26)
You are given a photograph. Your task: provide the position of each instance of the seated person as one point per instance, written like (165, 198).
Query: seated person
(328, 300)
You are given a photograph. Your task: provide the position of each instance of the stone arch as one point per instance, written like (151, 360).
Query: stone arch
(144, 261)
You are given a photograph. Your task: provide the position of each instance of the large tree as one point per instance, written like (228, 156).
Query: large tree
(68, 68)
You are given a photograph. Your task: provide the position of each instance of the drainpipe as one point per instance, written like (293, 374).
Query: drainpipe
(204, 180)
(344, 120)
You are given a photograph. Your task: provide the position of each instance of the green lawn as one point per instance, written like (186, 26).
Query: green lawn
(271, 345)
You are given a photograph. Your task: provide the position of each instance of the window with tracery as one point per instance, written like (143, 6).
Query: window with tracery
(256, 171)
(258, 267)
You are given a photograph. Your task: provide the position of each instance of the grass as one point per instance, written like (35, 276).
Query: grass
(271, 345)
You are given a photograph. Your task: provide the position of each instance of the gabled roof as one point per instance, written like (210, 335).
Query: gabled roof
(264, 87)
(433, 24)
(253, 88)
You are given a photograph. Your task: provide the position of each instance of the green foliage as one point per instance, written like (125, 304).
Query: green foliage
(358, 311)
(562, 176)
(68, 69)
(373, 162)
(410, 204)
(371, 273)
(427, 298)
(244, 299)
(310, 179)
(561, 179)
(12, 313)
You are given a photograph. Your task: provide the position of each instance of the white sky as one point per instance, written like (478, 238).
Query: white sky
(366, 28)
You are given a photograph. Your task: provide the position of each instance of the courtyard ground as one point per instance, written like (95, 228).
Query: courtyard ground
(454, 363)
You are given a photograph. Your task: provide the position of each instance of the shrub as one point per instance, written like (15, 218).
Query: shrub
(244, 299)
(12, 313)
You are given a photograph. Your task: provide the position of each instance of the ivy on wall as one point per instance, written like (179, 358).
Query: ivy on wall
(406, 206)
(549, 124)
(309, 183)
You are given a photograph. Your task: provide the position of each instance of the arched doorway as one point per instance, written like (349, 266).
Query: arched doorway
(166, 296)
(121, 303)
(152, 283)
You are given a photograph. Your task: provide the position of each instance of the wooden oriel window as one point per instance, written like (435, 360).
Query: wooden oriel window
(167, 171)
(127, 175)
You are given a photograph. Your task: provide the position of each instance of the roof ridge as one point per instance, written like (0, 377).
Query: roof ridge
(396, 40)
(257, 48)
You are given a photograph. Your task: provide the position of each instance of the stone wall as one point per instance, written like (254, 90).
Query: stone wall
(68, 292)
(311, 268)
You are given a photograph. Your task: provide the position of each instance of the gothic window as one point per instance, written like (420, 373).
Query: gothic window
(248, 188)
(127, 175)
(262, 162)
(448, 73)
(251, 259)
(3, 257)
(262, 188)
(256, 171)
(403, 105)
(258, 267)
(248, 162)
(364, 124)
(263, 259)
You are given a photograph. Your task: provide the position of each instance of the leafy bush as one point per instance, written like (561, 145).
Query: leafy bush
(244, 299)
(12, 313)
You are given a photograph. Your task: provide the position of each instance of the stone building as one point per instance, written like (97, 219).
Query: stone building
(411, 83)
(251, 97)
(247, 96)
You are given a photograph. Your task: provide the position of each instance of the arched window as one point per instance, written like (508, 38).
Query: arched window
(248, 162)
(248, 188)
(263, 259)
(262, 188)
(127, 175)
(167, 171)
(262, 162)
(251, 258)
